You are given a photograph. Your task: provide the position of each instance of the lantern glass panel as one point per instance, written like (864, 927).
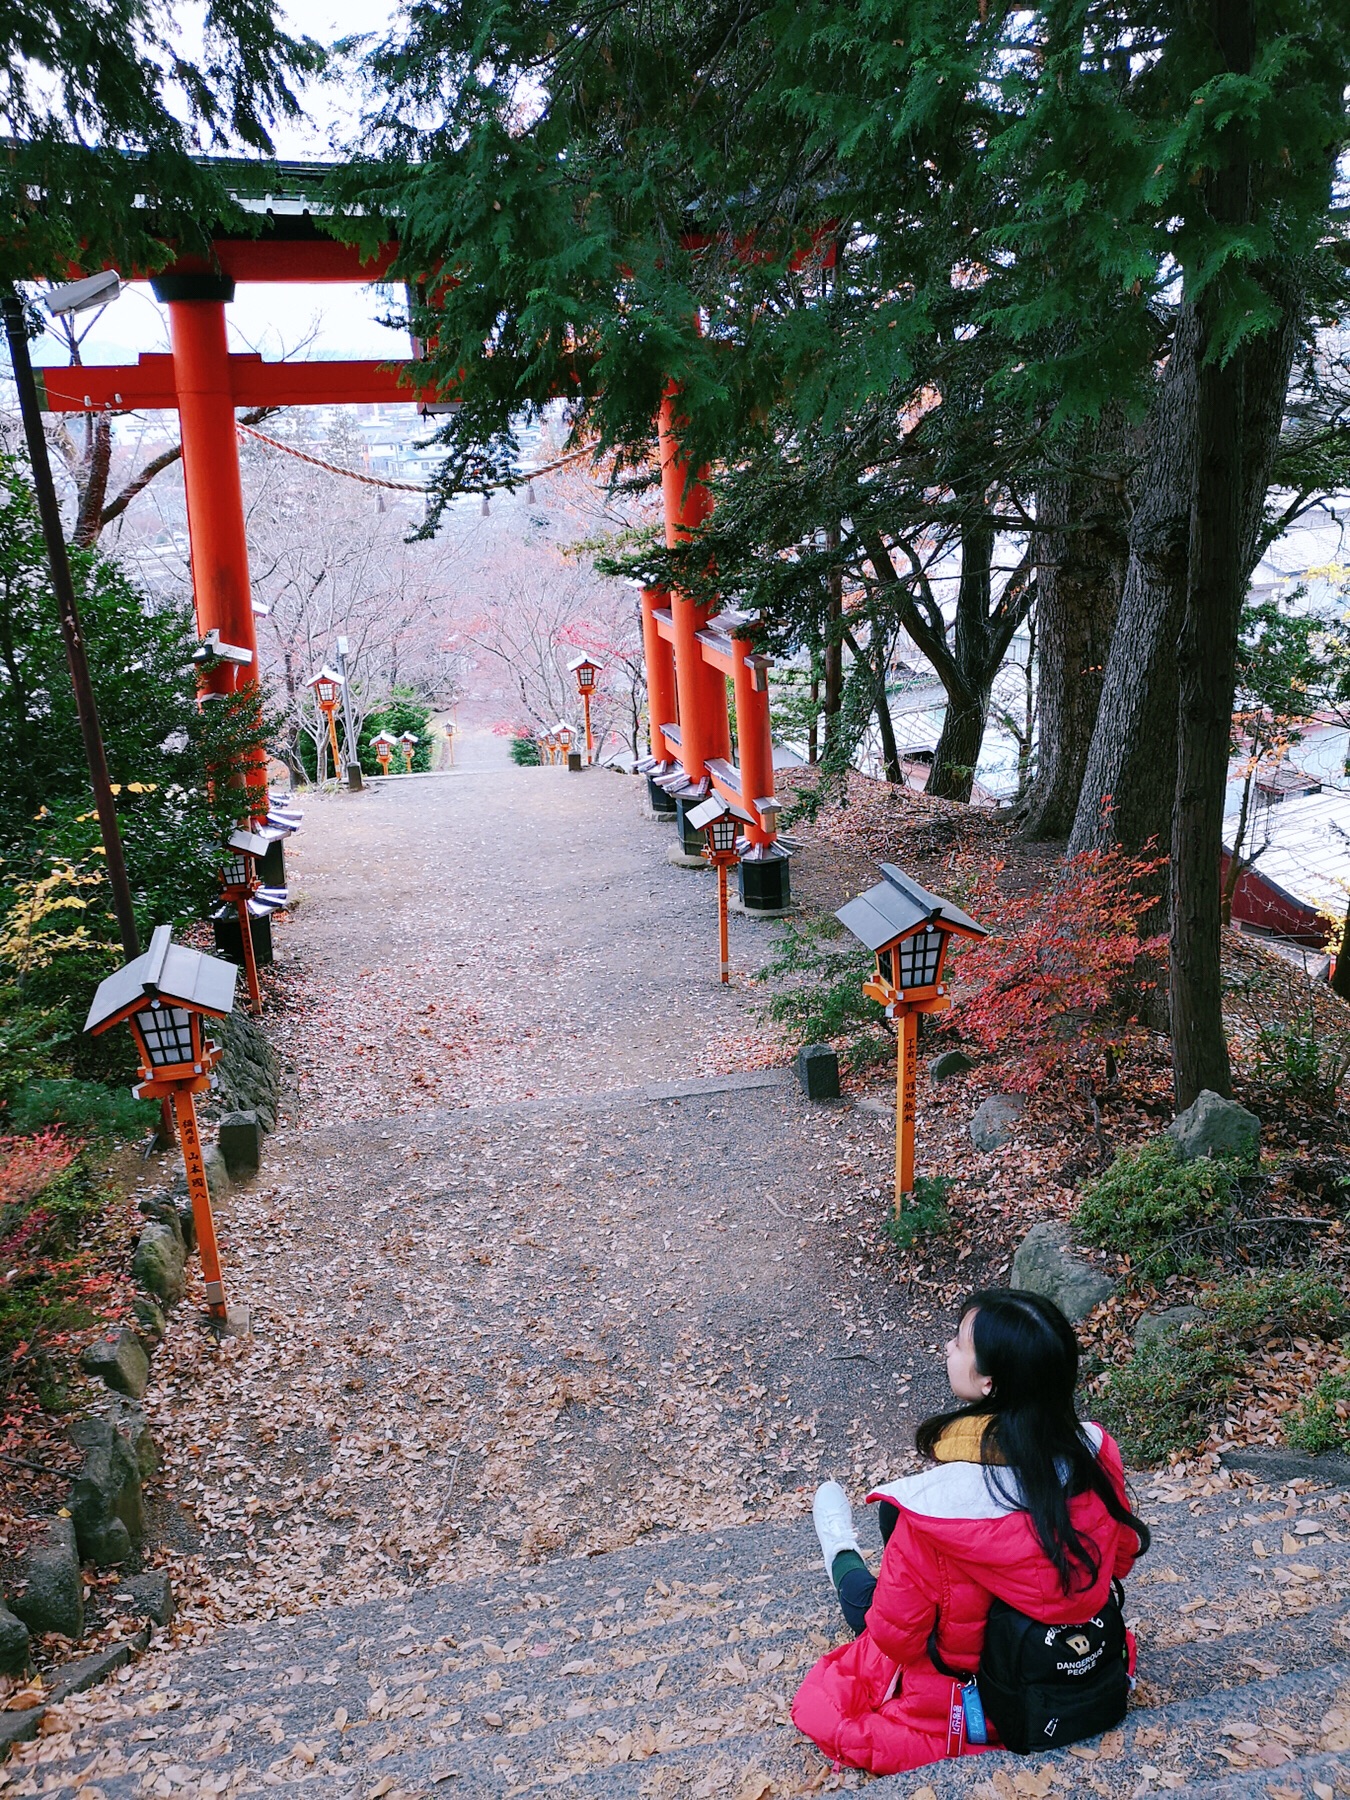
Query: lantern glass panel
(724, 833)
(236, 872)
(167, 1034)
(918, 958)
(585, 677)
(886, 966)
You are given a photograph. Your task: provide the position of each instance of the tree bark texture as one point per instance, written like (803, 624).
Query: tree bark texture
(958, 747)
(1130, 776)
(1080, 559)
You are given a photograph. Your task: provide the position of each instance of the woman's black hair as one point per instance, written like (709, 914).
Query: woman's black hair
(1027, 1348)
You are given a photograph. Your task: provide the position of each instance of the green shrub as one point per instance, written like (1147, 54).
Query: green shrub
(1294, 1303)
(1322, 1422)
(926, 1214)
(1149, 1197)
(817, 978)
(1170, 1391)
(525, 751)
(1164, 1398)
(86, 1108)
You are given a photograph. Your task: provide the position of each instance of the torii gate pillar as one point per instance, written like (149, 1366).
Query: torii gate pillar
(221, 590)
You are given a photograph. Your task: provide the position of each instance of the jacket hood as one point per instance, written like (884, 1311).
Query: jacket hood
(972, 1511)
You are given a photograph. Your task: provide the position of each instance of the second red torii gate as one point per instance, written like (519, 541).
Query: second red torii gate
(689, 654)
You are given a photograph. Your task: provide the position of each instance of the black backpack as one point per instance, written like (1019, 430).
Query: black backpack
(1046, 1685)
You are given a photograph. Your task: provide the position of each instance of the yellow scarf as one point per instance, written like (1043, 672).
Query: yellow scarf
(964, 1441)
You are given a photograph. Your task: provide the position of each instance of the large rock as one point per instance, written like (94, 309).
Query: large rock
(1165, 1327)
(1047, 1263)
(217, 1174)
(1215, 1127)
(992, 1124)
(159, 1262)
(50, 1596)
(106, 1504)
(13, 1643)
(951, 1062)
(150, 1321)
(119, 1360)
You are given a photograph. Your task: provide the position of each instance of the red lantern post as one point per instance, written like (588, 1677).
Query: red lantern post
(723, 831)
(327, 686)
(586, 673)
(385, 744)
(164, 995)
(238, 883)
(908, 930)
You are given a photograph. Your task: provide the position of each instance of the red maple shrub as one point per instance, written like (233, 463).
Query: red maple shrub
(29, 1164)
(1060, 970)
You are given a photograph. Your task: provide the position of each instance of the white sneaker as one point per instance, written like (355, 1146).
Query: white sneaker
(833, 1519)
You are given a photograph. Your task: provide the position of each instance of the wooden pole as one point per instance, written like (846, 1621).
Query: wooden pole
(250, 960)
(330, 713)
(906, 1069)
(72, 635)
(590, 742)
(722, 921)
(185, 1110)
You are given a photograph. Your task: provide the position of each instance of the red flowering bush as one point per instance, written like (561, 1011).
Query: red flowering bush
(1060, 967)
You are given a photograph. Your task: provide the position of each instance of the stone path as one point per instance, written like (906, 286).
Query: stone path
(560, 1311)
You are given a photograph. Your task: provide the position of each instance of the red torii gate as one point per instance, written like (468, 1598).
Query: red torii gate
(689, 656)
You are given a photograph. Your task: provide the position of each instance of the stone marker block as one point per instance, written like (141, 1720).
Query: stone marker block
(574, 762)
(150, 1594)
(119, 1360)
(818, 1071)
(51, 1597)
(217, 1174)
(239, 1138)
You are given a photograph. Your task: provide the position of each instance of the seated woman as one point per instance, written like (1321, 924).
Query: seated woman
(1024, 1504)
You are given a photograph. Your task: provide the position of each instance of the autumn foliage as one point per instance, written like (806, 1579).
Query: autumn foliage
(1061, 967)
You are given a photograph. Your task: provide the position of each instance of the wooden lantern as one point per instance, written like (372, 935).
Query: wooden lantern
(908, 930)
(165, 996)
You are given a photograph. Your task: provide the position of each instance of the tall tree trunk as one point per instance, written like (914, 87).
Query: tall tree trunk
(1080, 556)
(1130, 779)
(958, 747)
(93, 489)
(881, 701)
(834, 648)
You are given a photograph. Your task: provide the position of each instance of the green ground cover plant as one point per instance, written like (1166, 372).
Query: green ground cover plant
(1322, 1422)
(1148, 1201)
(925, 1214)
(1173, 1388)
(817, 976)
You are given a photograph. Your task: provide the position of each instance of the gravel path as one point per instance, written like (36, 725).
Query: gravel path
(542, 1262)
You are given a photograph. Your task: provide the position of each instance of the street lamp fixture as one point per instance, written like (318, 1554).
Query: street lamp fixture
(165, 996)
(385, 744)
(908, 930)
(722, 828)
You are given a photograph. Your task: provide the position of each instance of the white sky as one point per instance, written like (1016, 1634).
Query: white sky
(271, 317)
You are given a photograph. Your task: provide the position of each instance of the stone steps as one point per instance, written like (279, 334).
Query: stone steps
(666, 1669)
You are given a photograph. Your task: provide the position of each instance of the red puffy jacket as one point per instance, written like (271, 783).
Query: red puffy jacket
(878, 1703)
